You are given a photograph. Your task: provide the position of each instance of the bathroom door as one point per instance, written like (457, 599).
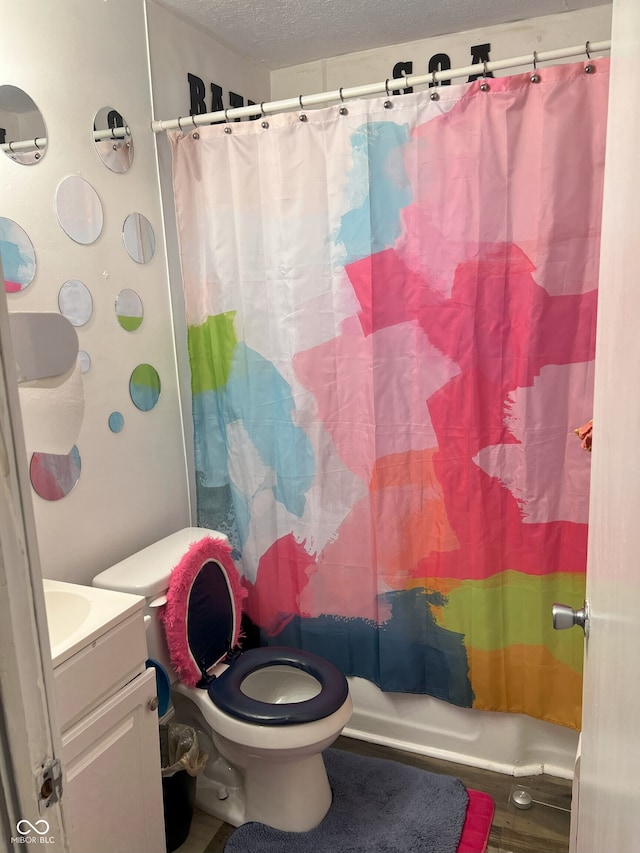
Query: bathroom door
(28, 733)
(607, 808)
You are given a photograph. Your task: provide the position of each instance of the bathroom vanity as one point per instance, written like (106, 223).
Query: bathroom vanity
(106, 703)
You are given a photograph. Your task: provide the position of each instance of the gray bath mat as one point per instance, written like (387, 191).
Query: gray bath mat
(378, 806)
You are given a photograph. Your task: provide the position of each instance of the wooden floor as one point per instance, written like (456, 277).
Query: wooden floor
(544, 828)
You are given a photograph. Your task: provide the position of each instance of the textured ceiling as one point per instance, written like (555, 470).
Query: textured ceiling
(279, 33)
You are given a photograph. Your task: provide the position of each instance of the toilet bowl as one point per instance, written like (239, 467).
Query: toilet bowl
(263, 715)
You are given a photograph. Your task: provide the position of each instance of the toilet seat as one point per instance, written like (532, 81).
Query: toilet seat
(225, 691)
(202, 626)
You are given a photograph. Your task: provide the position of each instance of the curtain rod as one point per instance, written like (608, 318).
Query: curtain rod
(345, 94)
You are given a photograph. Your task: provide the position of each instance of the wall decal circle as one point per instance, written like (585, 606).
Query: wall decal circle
(18, 256)
(112, 140)
(54, 476)
(79, 210)
(129, 310)
(144, 387)
(116, 421)
(85, 360)
(75, 302)
(26, 132)
(139, 238)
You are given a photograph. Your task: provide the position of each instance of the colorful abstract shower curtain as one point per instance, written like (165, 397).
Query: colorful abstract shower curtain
(391, 317)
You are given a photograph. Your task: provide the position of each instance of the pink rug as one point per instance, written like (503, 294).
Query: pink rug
(477, 823)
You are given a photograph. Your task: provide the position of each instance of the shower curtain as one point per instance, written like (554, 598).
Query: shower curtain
(391, 311)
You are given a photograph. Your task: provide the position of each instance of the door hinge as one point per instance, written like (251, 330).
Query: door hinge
(49, 783)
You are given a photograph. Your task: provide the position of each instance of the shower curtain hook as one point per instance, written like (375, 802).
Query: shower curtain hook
(484, 86)
(193, 121)
(387, 104)
(300, 101)
(343, 110)
(180, 123)
(263, 124)
(589, 68)
(434, 95)
(535, 77)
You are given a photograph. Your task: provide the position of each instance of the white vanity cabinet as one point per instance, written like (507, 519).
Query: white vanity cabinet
(112, 767)
(106, 703)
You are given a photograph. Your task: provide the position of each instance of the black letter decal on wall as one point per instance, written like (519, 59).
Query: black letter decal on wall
(216, 99)
(196, 95)
(480, 53)
(3, 135)
(440, 62)
(402, 69)
(235, 101)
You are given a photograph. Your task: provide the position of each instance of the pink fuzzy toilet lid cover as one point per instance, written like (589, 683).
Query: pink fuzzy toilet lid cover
(203, 612)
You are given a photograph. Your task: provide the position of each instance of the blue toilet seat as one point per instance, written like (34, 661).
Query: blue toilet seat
(225, 690)
(212, 618)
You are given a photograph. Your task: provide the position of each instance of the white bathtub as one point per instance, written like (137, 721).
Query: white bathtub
(507, 743)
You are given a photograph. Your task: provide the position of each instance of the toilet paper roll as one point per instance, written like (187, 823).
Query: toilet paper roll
(52, 412)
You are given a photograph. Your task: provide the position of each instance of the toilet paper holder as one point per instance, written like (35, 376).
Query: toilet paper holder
(50, 392)
(45, 345)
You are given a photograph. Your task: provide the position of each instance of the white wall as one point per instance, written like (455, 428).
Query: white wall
(177, 48)
(371, 66)
(74, 57)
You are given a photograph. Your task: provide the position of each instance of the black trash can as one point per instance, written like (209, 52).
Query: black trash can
(178, 797)
(181, 761)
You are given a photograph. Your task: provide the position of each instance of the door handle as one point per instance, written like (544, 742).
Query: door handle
(566, 617)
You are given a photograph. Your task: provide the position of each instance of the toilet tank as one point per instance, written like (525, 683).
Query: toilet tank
(147, 573)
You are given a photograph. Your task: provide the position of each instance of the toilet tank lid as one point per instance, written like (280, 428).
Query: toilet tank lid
(147, 571)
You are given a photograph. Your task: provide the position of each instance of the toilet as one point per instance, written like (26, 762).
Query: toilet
(263, 715)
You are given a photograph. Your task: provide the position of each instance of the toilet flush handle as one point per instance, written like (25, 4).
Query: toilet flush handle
(155, 602)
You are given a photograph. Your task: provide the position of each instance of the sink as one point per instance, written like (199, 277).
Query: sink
(77, 615)
(67, 611)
